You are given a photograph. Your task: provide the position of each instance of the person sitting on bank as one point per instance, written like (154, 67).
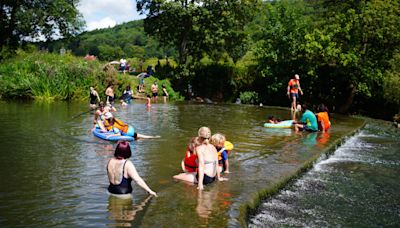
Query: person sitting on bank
(121, 172)
(323, 118)
(118, 127)
(307, 122)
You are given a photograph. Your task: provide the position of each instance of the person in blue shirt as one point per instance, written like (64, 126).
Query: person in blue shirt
(307, 122)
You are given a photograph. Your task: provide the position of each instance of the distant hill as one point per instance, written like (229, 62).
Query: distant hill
(127, 40)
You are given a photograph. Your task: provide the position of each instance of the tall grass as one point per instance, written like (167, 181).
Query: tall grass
(49, 77)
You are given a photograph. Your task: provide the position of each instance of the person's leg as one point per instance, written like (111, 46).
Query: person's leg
(189, 177)
(298, 127)
(140, 136)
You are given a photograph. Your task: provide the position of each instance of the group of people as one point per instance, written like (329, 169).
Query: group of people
(126, 96)
(205, 159)
(120, 170)
(308, 121)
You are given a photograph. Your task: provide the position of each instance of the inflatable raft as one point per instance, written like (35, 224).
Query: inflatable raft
(282, 124)
(110, 136)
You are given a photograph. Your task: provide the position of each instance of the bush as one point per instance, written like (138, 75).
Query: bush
(249, 97)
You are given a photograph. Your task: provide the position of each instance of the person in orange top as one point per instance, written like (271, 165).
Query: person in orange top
(293, 92)
(323, 118)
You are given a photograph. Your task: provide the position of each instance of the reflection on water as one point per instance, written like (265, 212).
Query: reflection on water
(205, 202)
(356, 187)
(123, 210)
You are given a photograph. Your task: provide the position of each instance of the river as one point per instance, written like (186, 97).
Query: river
(52, 169)
(358, 186)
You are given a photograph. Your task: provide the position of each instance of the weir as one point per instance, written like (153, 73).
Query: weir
(62, 165)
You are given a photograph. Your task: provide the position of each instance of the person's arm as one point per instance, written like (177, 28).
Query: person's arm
(96, 115)
(131, 170)
(288, 89)
(140, 136)
(165, 91)
(322, 126)
(97, 95)
(301, 91)
(183, 166)
(200, 158)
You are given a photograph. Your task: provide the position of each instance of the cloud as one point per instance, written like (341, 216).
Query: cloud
(100, 12)
(103, 23)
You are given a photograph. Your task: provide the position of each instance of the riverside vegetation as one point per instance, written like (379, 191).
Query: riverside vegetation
(49, 76)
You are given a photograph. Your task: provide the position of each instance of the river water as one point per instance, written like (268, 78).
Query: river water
(53, 170)
(358, 186)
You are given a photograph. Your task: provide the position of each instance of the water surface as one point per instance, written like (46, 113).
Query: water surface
(53, 170)
(358, 186)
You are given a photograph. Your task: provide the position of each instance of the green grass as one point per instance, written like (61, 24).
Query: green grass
(50, 77)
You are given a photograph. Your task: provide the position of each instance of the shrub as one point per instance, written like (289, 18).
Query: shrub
(249, 97)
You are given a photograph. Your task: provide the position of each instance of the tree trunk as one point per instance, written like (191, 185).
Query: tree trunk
(344, 108)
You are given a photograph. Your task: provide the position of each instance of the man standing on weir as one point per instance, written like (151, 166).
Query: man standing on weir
(293, 93)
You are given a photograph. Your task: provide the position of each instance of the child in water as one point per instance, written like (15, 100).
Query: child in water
(148, 104)
(189, 163)
(220, 143)
(273, 120)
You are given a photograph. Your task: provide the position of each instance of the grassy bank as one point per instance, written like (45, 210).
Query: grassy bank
(48, 77)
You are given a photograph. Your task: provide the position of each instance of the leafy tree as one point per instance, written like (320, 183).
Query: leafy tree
(27, 20)
(196, 27)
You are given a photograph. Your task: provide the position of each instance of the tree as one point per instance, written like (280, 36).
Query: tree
(27, 20)
(196, 27)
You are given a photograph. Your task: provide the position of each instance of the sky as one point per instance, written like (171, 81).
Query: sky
(107, 13)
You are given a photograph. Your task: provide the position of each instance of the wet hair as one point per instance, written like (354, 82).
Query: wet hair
(217, 139)
(128, 88)
(204, 134)
(123, 150)
(271, 117)
(101, 104)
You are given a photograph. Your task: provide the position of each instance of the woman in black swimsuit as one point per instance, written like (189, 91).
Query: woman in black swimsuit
(121, 172)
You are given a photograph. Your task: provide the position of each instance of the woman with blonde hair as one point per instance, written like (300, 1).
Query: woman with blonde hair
(207, 162)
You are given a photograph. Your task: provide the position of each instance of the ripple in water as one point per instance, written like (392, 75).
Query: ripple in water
(356, 186)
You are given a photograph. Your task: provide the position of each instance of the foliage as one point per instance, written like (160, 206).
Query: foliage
(46, 76)
(249, 97)
(127, 40)
(197, 27)
(391, 85)
(26, 20)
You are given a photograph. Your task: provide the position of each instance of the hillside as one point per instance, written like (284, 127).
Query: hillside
(127, 40)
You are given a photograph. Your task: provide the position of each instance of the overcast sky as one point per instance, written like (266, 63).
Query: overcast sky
(107, 13)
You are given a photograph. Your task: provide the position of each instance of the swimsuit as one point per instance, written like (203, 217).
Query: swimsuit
(110, 99)
(93, 98)
(207, 179)
(122, 188)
